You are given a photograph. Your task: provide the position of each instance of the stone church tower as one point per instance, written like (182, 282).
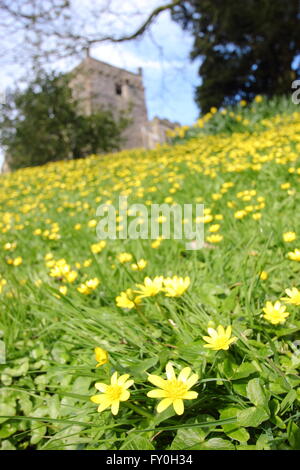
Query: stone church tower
(98, 85)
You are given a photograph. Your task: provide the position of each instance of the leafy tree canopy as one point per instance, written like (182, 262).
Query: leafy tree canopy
(247, 47)
(43, 124)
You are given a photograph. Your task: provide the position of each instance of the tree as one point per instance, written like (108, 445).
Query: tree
(248, 47)
(43, 124)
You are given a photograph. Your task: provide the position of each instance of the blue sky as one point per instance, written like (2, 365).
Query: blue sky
(169, 76)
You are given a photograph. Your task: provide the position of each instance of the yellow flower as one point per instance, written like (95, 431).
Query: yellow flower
(219, 338)
(215, 238)
(173, 390)
(63, 290)
(88, 287)
(10, 246)
(124, 257)
(256, 216)
(112, 394)
(70, 276)
(294, 255)
(294, 295)
(15, 261)
(139, 265)
(101, 356)
(258, 99)
(289, 236)
(214, 228)
(97, 247)
(3, 283)
(175, 286)
(240, 214)
(263, 275)
(92, 223)
(126, 299)
(275, 313)
(156, 243)
(150, 288)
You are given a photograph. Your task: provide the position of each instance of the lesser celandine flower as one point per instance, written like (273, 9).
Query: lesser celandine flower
(88, 287)
(175, 286)
(219, 338)
(294, 255)
(127, 299)
(289, 237)
(150, 288)
(173, 390)
(275, 313)
(112, 394)
(101, 356)
(214, 238)
(263, 276)
(98, 247)
(15, 261)
(139, 265)
(293, 296)
(124, 257)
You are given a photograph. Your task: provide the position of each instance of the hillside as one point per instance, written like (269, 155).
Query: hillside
(225, 316)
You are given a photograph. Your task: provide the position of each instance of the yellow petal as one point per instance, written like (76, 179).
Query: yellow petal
(184, 374)
(101, 387)
(164, 404)
(178, 406)
(115, 407)
(157, 381)
(170, 371)
(98, 398)
(128, 383)
(114, 378)
(212, 332)
(103, 406)
(190, 395)
(122, 379)
(124, 395)
(220, 330)
(228, 331)
(192, 380)
(208, 339)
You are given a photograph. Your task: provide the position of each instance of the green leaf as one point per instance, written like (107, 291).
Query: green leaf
(38, 433)
(82, 385)
(244, 370)
(187, 438)
(233, 430)
(256, 393)
(25, 404)
(6, 410)
(136, 442)
(21, 367)
(294, 435)
(216, 443)
(8, 429)
(288, 401)
(142, 366)
(252, 417)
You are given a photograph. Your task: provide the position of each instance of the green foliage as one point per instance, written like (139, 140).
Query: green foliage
(246, 47)
(43, 123)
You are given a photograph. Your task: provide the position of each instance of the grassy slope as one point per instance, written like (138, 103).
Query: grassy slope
(49, 337)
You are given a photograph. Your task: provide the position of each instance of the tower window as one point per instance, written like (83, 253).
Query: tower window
(118, 89)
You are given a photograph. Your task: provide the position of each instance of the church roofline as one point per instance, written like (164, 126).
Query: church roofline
(87, 59)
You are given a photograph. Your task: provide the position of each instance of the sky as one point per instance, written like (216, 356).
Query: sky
(169, 76)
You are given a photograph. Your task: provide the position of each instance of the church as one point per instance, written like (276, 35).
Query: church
(97, 85)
